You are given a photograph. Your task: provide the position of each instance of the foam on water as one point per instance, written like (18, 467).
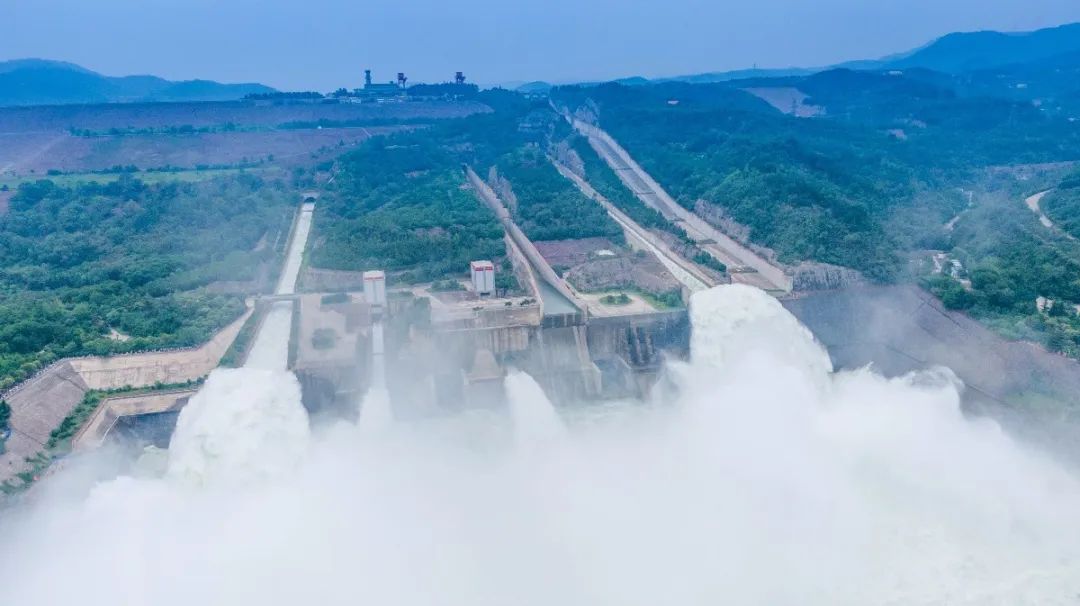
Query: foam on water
(766, 480)
(244, 424)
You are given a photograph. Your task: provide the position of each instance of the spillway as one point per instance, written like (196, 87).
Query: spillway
(248, 424)
(293, 260)
(376, 414)
(757, 476)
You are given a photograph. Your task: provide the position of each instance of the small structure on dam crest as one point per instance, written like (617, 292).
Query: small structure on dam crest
(448, 348)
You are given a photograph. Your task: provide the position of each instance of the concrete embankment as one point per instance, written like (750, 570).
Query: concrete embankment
(739, 258)
(39, 404)
(111, 410)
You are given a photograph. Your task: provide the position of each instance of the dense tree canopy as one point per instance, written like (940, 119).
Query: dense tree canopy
(123, 266)
(401, 206)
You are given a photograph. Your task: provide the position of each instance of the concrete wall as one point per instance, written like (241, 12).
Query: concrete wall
(36, 409)
(147, 369)
(40, 404)
(111, 409)
(330, 280)
(544, 271)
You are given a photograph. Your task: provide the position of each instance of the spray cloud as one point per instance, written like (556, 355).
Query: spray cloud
(766, 480)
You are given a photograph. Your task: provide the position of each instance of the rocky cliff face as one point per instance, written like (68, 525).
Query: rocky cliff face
(569, 158)
(808, 276)
(714, 215)
(503, 189)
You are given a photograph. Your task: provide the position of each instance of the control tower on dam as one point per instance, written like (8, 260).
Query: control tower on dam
(447, 351)
(453, 349)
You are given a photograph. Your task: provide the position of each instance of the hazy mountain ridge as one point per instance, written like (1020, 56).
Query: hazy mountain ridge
(961, 52)
(953, 53)
(44, 82)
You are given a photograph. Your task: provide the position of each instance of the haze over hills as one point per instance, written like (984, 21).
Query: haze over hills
(953, 53)
(43, 82)
(991, 50)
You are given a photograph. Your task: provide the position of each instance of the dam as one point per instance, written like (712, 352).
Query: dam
(762, 476)
(434, 352)
(441, 353)
(758, 442)
(451, 351)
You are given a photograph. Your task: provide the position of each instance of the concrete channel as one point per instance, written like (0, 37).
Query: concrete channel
(556, 299)
(745, 265)
(683, 270)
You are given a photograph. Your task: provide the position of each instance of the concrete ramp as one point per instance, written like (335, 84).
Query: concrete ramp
(37, 408)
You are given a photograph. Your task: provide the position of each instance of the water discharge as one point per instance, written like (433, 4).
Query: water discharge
(376, 415)
(248, 424)
(535, 419)
(765, 479)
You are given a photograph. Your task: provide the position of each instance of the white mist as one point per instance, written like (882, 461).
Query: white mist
(767, 480)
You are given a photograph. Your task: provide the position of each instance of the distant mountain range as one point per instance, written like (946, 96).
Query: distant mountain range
(951, 54)
(1015, 58)
(42, 82)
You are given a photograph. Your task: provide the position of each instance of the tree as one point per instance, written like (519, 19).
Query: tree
(1056, 339)
(5, 416)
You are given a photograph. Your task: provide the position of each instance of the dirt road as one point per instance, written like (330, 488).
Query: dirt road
(1033, 204)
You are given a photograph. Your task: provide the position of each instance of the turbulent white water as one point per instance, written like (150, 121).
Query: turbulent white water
(245, 424)
(376, 416)
(766, 480)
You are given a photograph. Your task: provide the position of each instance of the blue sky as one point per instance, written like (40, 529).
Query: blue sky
(322, 44)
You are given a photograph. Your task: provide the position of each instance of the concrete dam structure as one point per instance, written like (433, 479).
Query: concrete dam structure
(445, 357)
(448, 351)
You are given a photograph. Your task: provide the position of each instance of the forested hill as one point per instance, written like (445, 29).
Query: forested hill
(809, 189)
(128, 266)
(959, 53)
(890, 165)
(40, 82)
(969, 51)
